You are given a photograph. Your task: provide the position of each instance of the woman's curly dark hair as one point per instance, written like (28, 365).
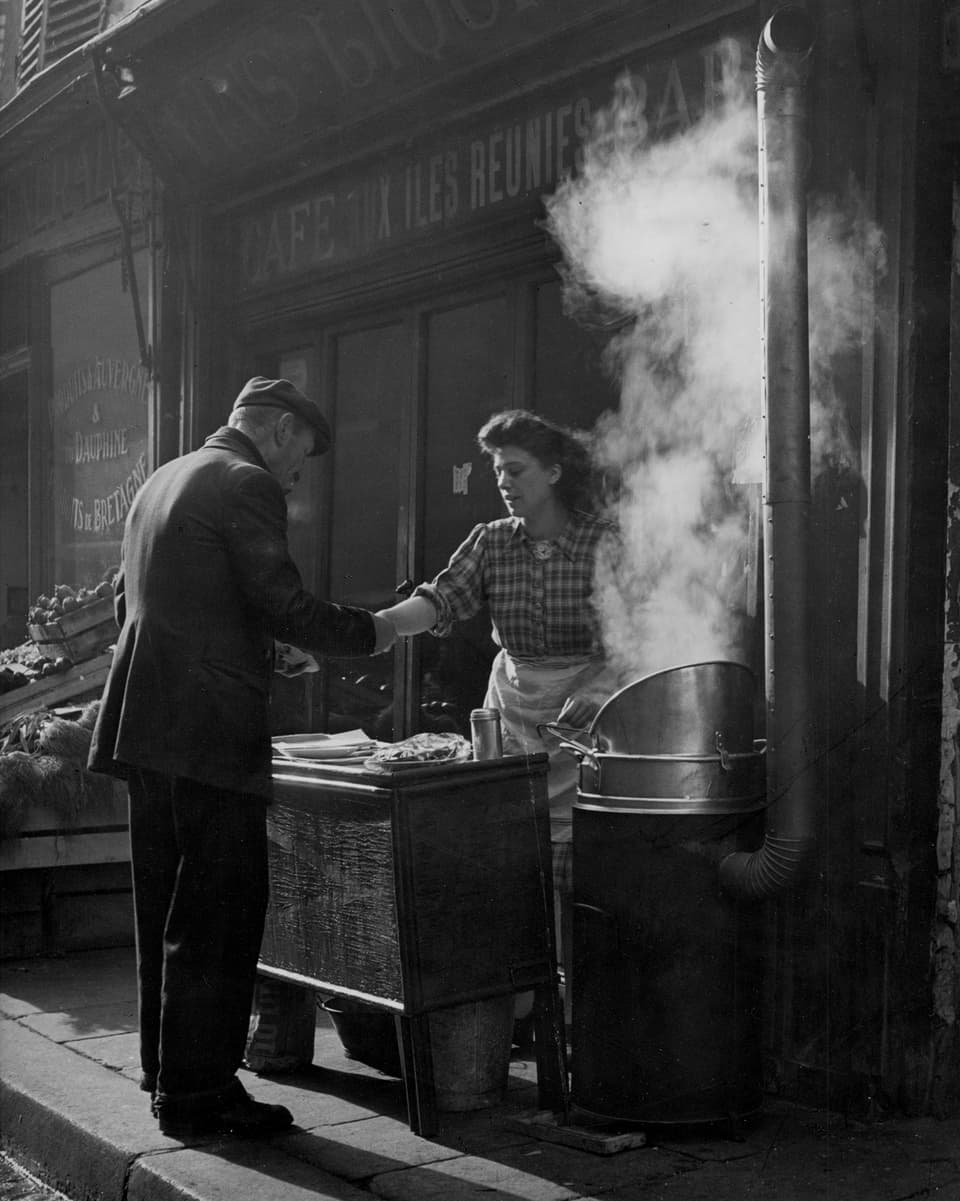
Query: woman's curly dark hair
(549, 443)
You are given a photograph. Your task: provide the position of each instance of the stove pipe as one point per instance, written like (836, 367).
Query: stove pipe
(783, 57)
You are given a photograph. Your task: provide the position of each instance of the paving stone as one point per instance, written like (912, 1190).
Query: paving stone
(89, 1021)
(234, 1171)
(802, 1182)
(63, 982)
(358, 1150)
(319, 1098)
(840, 1163)
(585, 1172)
(467, 1178)
(119, 1052)
(875, 1163)
(710, 1183)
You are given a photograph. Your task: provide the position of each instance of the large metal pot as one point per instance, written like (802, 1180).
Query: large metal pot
(677, 741)
(680, 711)
(718, 783)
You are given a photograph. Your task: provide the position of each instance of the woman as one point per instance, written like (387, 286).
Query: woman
(535, 571)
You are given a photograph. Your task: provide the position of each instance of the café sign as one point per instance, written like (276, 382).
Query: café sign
(504, 165)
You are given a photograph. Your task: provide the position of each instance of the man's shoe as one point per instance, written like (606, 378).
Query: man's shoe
(234, 1112)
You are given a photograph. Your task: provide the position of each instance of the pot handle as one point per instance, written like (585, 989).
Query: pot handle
(585, 754)
(577, 749)
(727, 758)
(555, 728)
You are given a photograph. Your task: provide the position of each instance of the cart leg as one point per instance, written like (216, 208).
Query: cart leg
(550, 1044)
(413, 1034)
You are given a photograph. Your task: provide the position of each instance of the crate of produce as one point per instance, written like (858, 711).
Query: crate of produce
(64, 838)
(79, 635)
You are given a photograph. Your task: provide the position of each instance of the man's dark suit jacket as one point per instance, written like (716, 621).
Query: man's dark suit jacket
(206, 584)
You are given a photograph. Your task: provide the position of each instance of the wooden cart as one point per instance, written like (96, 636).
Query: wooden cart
(416, 891)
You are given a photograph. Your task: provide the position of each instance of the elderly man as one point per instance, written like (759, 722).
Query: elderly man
(206, 585)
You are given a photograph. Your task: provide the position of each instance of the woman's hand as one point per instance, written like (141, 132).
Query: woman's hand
(385, 632)
(577, 712)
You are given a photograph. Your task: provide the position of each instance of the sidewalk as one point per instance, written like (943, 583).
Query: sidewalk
(71, 1111)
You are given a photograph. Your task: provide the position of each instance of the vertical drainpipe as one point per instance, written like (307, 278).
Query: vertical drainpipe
(783, 56)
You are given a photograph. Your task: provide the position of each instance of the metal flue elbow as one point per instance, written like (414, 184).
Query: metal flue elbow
(784, 48)
(783, 56)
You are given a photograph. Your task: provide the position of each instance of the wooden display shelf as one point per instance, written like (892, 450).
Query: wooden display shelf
(66, 881)
(97, 834)
(82, 681)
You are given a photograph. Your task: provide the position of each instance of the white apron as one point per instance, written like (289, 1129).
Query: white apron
(527, 694)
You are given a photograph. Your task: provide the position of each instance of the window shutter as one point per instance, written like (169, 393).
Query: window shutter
(51, 29)
(31, 40)
(70, 23)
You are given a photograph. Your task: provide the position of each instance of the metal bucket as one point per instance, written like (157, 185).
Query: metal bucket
(470, 1045)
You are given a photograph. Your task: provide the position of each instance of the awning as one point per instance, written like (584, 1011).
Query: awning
(246, 94)
(63, 94)
(231, 96)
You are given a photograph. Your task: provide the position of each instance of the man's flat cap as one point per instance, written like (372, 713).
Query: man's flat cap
(281, 394)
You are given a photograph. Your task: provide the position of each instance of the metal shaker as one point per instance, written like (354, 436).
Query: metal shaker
(486, 733)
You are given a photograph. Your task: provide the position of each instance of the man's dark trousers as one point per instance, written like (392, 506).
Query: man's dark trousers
(199, 857)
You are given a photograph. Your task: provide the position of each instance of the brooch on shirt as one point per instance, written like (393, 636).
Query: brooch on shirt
(543, 550)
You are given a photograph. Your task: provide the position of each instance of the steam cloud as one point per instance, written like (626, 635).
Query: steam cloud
(662, 239)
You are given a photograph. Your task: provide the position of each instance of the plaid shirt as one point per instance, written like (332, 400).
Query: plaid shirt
(540, 608)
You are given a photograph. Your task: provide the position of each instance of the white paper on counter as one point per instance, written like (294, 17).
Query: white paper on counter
(348, 744)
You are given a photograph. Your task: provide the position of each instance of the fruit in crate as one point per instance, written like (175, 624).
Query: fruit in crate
(66, 599)
(74, 624)
(19, 665)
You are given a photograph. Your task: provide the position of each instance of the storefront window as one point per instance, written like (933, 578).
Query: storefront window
(469, 376)
(99, 421)
(376, 503)
(305, 501)
(371, 381)
(14, 510)
(571, 384)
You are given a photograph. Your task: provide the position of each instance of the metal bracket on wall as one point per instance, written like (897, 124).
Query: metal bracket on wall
(123, 220)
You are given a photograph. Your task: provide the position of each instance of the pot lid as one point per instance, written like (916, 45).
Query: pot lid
(680, 711)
